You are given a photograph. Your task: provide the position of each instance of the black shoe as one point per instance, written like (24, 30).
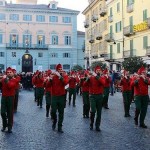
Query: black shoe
(47, 115)
(87, 116)
(84, 116)
(40, 106)
(9, 130)
(143, 126)
(135, 121)
(3, 129)
(54, 126)
(60, 130)
(91, 127)
(98, 129)
(74, 105)
(106, 107)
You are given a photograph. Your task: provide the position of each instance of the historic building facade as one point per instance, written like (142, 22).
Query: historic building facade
(36, 36)
(127, 30)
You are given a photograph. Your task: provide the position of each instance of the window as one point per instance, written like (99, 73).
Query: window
(27, 17)
(118, 47)
(145, 42)
(67, 67)
(13, 54)
(130, 2)
(1, 54)
(41, 40)
(66, 19)
(2, 16)
(54, 40)
(67, 40)
(13, 39)
(66, 55)
(27, 39)
(111, 12)
(53, 19)
(40, 18)
(53, 66)
(40, 54)
(53, 6)
(53, 55)
(14, 17)
(118, 7)
(1, 3)
(118, 27)
(145, 15)
(1, 38)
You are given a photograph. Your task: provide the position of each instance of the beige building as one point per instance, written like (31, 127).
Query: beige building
(127, 30)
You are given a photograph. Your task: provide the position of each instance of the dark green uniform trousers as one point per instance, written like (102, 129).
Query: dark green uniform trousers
(86, 104)
(39, 95)
(7, 111)
(105, 96)
(58, 103)
(16, 100)
(96, 102)
(141, 103)
(72, 92)
(127, 96)
(48, 102)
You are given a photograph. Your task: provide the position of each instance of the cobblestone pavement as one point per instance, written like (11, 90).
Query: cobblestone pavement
(32, 130)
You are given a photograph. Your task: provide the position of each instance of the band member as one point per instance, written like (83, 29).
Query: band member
(107, 84)
(7, 101)
(39, 82)
(96, 83)
(73, 80)
(85, 94)
(58, 80)
(141, 83)
(126, 92)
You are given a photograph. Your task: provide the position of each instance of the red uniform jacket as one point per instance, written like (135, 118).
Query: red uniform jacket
(72, 82)
(58, 85)
(39, 82)
(140, 86)
(107, 81)
(8, 89)
(126, 84)
(48, 87)
(17, 78)
(84, 86)
(96, 86)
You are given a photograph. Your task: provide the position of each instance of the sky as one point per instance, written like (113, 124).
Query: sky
(78, 5)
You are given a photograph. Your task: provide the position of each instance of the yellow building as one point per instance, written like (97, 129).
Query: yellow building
(126, 31)
(96, 27)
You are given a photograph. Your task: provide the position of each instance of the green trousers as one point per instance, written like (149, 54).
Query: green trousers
(141, 103)
(58, 103)
(86, 104)
(105, 96)
(127, 96)
(7, 111)
(72, 92)
(39, 96)
(96, 102)
(16, 100)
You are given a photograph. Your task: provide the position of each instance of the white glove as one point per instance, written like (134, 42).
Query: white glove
(94, 74)
(58, 74)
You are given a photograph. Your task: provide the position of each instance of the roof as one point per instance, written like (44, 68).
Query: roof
(38, 6)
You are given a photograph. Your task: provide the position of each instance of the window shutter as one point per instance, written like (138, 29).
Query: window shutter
(43, 42)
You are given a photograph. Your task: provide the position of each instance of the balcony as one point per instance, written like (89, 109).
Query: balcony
(98, 36)
(148, 51)
(103, 12)
(94, 18)
(94, 54)
(23, 46)
(109, 57)
(86, 24)
(148, 22)
(109, 37)
(130, 8)
(86, 56)
(91, 39)
(129, 53)
(110, 19)
(128, 31)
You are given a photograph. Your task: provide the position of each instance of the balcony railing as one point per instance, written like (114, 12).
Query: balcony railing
(103, 12)
(98, 36)
(129, 53)
(110, 57)
(109, 37)
(148, 22)
(86, 56)
(86, 24)
(94, 18)
(94, 54)
(91, 39)
(130, 8)
(128, 31)
(148, 51)
(23, 46)
(110, 19)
